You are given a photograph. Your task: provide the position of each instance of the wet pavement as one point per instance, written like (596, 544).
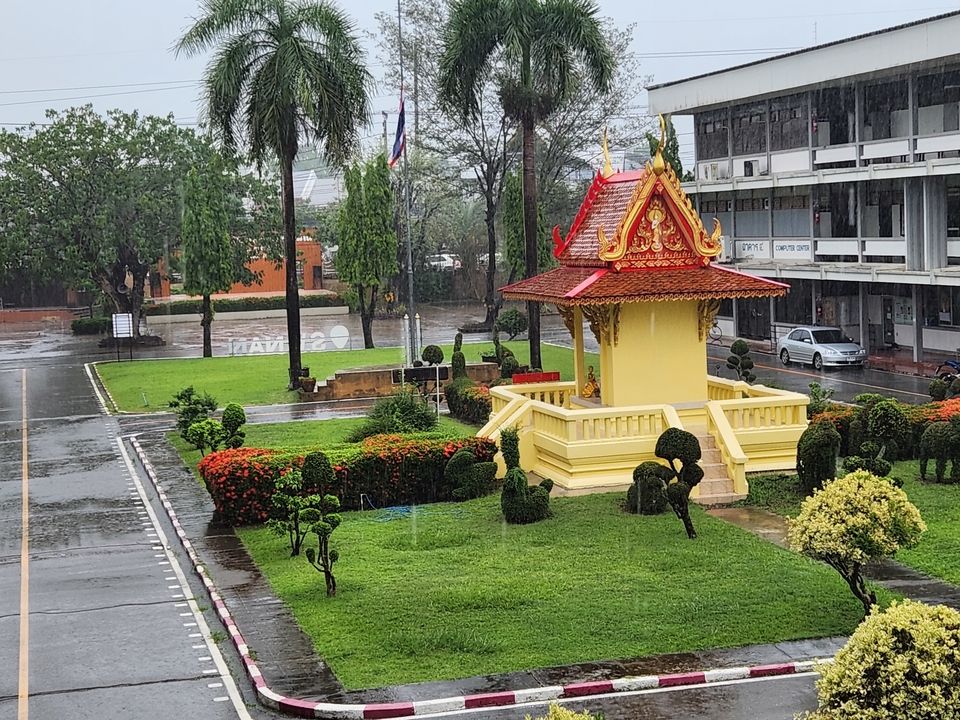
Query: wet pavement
(108, 626)
(890, 574)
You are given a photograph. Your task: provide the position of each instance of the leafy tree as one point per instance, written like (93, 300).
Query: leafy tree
(512, 322)
(831, 527)
(283, 72)
(93, 201)
(206, 434)
(536, 41)
(207, 252)
(368, 240)
(322, 521)
(671, 146)
(233, 419)
(289, 502)
(877, 674)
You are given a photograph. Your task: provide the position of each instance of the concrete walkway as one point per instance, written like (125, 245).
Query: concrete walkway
(888, 573)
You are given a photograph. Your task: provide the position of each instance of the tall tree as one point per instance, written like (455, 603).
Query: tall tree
(671, 146)
(94, 201)
(283, 72)
(538, 41)
(368, 240)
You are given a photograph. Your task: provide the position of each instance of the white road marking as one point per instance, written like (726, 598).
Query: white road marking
(221, 665)
(96, 391)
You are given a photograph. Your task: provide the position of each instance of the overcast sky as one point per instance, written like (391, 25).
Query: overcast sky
(55, 53)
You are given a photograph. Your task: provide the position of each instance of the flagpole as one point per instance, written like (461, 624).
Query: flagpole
(406, 185)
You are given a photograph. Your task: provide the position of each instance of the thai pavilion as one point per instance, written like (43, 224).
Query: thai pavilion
(637, 267)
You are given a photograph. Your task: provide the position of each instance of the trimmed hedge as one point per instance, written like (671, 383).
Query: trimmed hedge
(91, 326)
(388, 469)
(241, 304)
(468, 401)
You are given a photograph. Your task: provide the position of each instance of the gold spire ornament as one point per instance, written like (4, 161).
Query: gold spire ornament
(659, 164)
(607, 165)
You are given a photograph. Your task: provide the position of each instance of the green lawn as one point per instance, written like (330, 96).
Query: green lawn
(938, 553)
(148, 385)
(455, 592)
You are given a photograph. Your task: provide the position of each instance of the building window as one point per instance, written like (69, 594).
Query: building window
(788, 123)
(953, 206)
(834, 113)
(749, 130)
(883, 209)
(711, 129)
(938, 103)
(886, 112)
(752, 217)
(791, 213)
(835, 211)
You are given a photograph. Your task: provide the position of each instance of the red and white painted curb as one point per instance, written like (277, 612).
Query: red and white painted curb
(311, 709)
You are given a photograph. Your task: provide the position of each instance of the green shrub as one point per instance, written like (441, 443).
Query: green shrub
(819, 399)
(873, 465)
(955, 387)
(458, 365)
(902, 663)
(740, 362)
(852, 521)
(512, 322)
(191, 407)
(868, 400)
(817, 455)
(558, 712)
(522, 504)
(676, 445)
(388, 470)
(233, 419)
(91, 326)
(458, 342)
(205, 435)
(856, 435)
(467, 400)
(940, 442)
(318, 475)
(938, 389)
(510, 447)
(242, 304)
(288, 501)
(887, 423)
(403, 412)
(432, 355)
(469, 478)
(647, 495)
(508, 367)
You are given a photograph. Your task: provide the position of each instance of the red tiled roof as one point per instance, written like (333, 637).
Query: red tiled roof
(606, 208)
(593, 286)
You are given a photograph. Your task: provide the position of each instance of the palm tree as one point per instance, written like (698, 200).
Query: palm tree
(531, 47)
(283, 72)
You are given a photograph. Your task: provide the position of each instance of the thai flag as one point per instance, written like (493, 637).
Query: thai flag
(401, 139)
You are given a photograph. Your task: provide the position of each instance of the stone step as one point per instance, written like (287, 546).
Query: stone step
(711, 457)
(709, 488)
(719, 499)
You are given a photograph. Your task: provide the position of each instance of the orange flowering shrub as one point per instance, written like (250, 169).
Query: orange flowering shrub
(388, 469)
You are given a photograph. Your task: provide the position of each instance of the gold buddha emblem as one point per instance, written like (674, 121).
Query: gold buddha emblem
(591, 388)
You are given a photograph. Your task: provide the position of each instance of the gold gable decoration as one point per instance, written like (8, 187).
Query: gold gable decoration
(660, 228)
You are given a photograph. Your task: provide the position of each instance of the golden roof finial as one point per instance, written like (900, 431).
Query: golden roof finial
(607, 165)
(659, 164)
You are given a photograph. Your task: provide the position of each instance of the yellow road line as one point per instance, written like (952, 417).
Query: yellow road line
(23, 693)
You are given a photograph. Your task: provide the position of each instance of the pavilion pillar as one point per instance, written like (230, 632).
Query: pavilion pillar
(579, 369)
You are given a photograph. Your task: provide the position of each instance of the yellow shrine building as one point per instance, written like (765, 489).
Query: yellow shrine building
(637, 266)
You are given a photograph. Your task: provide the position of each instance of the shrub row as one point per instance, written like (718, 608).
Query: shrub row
(240, 304)
(468, 401)
(387, 469)
(91, 326)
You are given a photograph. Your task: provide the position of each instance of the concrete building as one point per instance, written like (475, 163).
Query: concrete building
(836, 169)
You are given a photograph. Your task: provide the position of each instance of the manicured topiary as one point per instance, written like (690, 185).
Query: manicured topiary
(508, 367)
(648, 495)
(852, 521)
(288, 501)
(817, 455)
(318, 474)
(902, 663)
(190, 407)
(468, 477)
(510, 447)
(819, 399)
(322, 521)
(740, 362)
(938, 389)
(233, 419)
(522, 504)
(941, 443)
(458, 365)
(205, 435)
(512, 322)
(432, 354)
(887, 424)
(679, 446)
(870, 458)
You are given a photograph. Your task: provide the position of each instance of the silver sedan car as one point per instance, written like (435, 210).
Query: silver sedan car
(820, 347)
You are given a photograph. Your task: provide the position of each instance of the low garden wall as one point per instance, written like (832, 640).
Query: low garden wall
(378, 382)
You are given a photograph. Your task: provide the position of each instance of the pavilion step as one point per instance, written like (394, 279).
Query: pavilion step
(719, 499)
(710, 457)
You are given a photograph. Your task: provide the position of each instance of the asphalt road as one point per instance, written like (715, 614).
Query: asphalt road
(104, 627)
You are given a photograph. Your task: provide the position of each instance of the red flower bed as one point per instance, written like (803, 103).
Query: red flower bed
(386, 469)
(943, 410)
